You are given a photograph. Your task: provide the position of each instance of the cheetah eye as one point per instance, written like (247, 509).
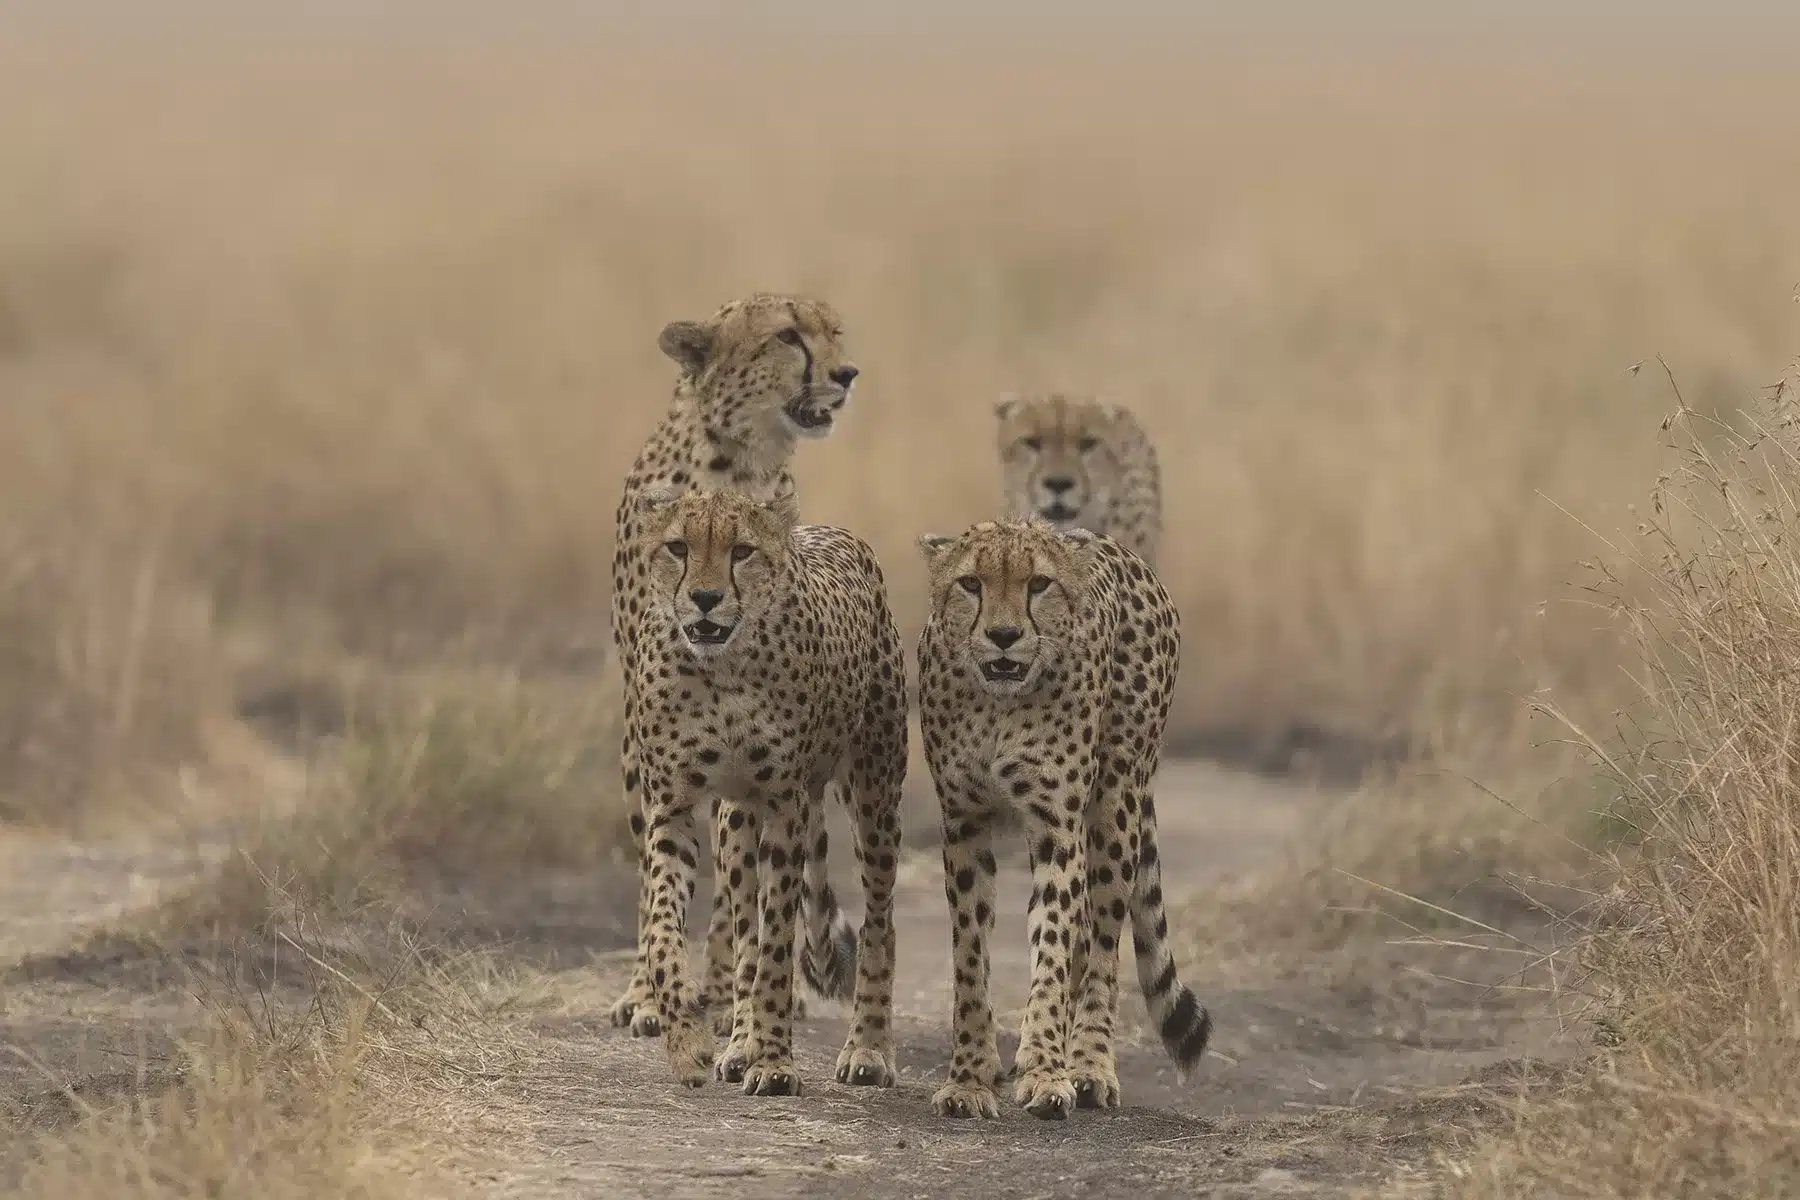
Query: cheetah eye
(790, 335)
(740, 553)
(678, 549)
(1032, 444)
(1039, 584)
(1086, 444)
(970, 584)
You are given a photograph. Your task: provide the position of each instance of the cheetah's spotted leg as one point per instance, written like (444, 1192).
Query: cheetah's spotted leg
(637, 1007)
(673, 853)
(969, 871)
(1059, 924)
(739, 832)
(780, 863)
(1092, 1061)
(867, 1059)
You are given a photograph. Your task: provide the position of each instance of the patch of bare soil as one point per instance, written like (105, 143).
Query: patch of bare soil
(1323, 1078)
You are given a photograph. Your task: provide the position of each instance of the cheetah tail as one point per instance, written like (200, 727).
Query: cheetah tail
(828, 962)
(1182, 1020)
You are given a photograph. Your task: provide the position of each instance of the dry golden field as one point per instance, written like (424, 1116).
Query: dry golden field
(319, 373)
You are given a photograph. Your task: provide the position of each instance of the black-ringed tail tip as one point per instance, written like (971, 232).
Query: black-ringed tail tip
(1186, 1029)
(828, 960)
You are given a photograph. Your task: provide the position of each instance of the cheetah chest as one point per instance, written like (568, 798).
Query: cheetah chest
(753, 743)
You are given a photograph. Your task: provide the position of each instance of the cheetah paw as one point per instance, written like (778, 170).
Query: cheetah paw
(636, 1000)
(861, 1066)
(1048, 1095)
(1096, 1087)
(966, 1099)
(733, 1064)
(774, 1078)
(646, 1022)
(691, 1049)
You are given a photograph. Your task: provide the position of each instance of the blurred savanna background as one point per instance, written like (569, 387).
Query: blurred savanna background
(326, 338)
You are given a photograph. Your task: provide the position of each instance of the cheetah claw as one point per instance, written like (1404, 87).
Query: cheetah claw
(691, 1049)
(1095, 1090)
(964, 1100)
(1049, 1096)
(860, 1066)
(771, 1079)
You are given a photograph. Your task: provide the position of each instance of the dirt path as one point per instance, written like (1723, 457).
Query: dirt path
(1305, 1089)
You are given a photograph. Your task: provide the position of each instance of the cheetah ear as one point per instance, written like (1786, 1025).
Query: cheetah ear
(785, 505)
(933, 545)
(1003, 408)
(689, 343)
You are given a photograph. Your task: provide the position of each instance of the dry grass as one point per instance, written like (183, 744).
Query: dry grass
(372, 382)
(462, 773)
(324, 1063)
(1696, 952)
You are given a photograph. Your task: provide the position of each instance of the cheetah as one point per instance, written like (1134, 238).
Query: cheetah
(1081, 463)
(762, 373)
(768, 665)
(1046, 669)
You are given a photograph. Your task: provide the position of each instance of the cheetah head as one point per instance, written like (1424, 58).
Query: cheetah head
(1005, 595)
(1060, 458)
(718, 562)
(767, 369)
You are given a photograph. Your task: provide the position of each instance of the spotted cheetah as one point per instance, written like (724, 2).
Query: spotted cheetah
(1081, 463)
(762, 373)
(1045, 675)
(768, 665)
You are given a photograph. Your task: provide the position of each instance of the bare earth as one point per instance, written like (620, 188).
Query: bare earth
(1315, 1084)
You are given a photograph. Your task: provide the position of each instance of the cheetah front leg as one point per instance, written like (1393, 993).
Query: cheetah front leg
(781, 861)
(673, 854)
(867, 1059)
(969, 871)
(1092, 1061)
(739, 834)
(637, 1007)
(1059, 929)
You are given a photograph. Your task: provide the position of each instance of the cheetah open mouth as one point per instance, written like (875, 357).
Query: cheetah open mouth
(1060, 512)
(1004, 670)
(808, 419)
(707, 633)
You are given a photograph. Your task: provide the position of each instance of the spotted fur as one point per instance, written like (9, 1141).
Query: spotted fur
(759, 375)
(1081, 464)
(1045, 676)
(768, 666)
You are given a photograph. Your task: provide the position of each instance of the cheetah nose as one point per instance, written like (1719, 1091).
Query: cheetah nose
(845, 375)
(1004, 636)
(705, 599)
(1059, 483)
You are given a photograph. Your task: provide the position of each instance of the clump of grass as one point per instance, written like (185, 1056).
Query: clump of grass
(330, 1075)
(1699, 946)
(107, 673)
(470, 776)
